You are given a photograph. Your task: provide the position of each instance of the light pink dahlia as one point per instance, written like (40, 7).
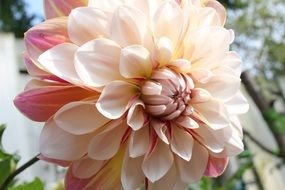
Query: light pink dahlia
(134, 92)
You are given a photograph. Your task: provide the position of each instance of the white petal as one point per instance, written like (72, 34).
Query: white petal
(169, 21)
(132, 176)
(136, 115)
(115, 98)
(86, 23)
(86, 167)
(156, 166)
(182, 65)
(79, 118)
(56, 143)
(129, 26)
(139, 142)
(237, 104)
(163, 51)
(106, 5)
(59, 61)
(106, 144)
(97, 62)
(181, 143)
(135, 62)
(214, 112)
(192, 171)
(187, 122)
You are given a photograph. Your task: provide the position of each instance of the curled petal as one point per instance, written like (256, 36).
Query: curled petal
(160, 128)
(97, 62)
(82, 32)
(116, 98)
(136, 115)
(58, 144)
(135, 62)
(192, 171)
(33, 101)
(220, 9)
(216, 166)
(45, 36)
(59, 8)
(156, 166)
(80, 118)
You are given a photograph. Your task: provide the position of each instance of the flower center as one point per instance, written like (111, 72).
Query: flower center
(167, 94)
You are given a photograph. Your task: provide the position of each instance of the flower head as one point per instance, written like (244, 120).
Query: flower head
(134, 92)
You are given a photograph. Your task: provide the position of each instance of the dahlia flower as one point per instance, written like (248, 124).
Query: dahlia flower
(134, 93)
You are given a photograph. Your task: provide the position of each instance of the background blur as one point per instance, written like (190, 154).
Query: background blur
(260, 40)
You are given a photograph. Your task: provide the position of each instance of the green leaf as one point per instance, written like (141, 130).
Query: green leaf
(37, 184)
(5, 168)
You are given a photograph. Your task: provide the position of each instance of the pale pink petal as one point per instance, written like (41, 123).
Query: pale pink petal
(237, 104)
(106, 5)
(167, 182)
(139, 142)
(216, 166)
(44, 36)
(187, 122)
(223, 87)
(135, 62)
(59, 61)
(33, 101)
(214, 112)
(163, 51)
(109, 177)
(156, 166)
(161, 130)
(220, 9)
(58, 144)
(168, 16)
(72, 183)
(136, 115)
(151, 88)
(199, 95)
(192, 171)
(106, 144)
(132, 176)
(61, 163)
(181, 65)
(80, 118)
(97, 62)
(59, 8)
(129, 26)
(232, 60)
(201, 75)
(181, 143)
(86, 167)
(87, 23)
(115, 99)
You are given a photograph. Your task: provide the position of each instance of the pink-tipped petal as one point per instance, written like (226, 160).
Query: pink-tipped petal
(59, 8)
(33, 101)
(115, 99)
(216, 166)
(45, 36)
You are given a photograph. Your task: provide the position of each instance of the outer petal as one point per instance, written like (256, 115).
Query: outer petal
(220, 9)
(97, 62)
(58, 144)
(116, 98)
(156, 166)
(80, 118)
(237, 104)
(87, 167)
(45, 36)
(167, 182)
(58, 8)
(192, 171)
(139, 142)
(181, 143)
(105, 145)
(135, 62)
(167, 17)
(129, 26)
(106, 5)
(40, 102)
(216, 166)
(86, 23)
(59, 61)
(71, 182)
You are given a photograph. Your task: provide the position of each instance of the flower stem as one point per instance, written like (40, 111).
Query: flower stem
(10, 178)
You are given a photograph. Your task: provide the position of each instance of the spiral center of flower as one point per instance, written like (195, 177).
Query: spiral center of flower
(167, 94)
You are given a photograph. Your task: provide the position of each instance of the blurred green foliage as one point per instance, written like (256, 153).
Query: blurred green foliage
(14, 18)
(8, 164)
